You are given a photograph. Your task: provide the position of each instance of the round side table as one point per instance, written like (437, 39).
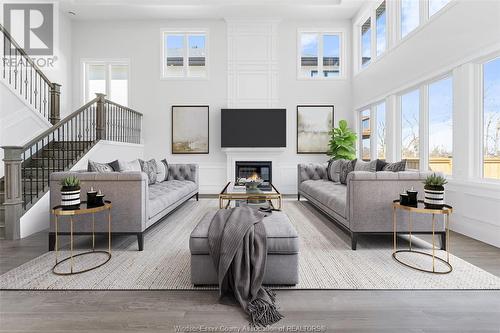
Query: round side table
(83, 209)
(421, 209)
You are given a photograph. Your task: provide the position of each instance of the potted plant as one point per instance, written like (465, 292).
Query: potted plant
(70, 192)
(342, 143)
(434, 191)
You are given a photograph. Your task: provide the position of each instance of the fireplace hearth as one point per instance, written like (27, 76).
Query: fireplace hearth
(254, 170)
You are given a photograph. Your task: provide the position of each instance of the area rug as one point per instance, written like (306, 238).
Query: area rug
(326, 260)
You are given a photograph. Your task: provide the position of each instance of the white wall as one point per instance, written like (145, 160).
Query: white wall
(37, 218)
(140, 42)
(454, 41)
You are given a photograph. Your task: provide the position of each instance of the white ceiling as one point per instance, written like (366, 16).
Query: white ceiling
(195, 9)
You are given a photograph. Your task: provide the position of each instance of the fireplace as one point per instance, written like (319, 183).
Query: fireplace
(254, 170)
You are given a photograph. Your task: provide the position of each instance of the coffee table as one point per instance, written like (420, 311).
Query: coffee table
(230, 193)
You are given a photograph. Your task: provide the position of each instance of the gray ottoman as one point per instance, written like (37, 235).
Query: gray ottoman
(282, 252)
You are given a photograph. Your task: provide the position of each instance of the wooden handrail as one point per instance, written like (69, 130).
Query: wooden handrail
(26, 56)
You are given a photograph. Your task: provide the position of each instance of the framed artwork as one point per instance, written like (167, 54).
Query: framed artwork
(190, 129)
(314, 123)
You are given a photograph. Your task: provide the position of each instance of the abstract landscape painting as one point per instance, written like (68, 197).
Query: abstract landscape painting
(314, 122)
(190, 129)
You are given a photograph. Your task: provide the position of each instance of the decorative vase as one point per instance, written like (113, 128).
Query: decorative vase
(434, 197)
(70, 197)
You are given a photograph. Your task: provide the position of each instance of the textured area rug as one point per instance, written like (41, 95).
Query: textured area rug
(326, 260)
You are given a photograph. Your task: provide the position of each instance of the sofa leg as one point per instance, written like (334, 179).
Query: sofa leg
(354, 240)
(197, 197)
(298, 197)
(443, 241)
(52, 241)
(140, 241)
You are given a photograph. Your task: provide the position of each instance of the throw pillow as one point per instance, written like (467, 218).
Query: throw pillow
(99, 167)
(333, 170)
(346, 167)
(162, 168)
(124, 166)
(395, 167)
(370, 166)
(149, 167)
(381, 164)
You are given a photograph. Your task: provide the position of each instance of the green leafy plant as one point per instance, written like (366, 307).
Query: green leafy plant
(342, 143)
(435, 181)
(70, 182)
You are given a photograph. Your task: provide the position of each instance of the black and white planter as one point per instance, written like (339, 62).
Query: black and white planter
(434, 197)
(70, 197)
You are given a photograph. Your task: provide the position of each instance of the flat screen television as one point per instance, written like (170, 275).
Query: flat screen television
(246, 128)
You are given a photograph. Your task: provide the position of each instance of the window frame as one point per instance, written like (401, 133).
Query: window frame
(342, 52)
(372, 108)
(479, 83)
(107, 63)
(185, 32)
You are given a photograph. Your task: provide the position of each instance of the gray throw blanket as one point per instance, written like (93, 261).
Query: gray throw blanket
(238, 246)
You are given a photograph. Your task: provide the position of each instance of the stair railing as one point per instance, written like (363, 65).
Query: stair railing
(28, 167)
(21, 73)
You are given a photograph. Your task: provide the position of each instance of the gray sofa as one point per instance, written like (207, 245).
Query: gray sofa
(136, 205)
(364, 205)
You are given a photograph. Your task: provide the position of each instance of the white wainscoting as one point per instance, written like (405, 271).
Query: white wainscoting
(252, 63)
(476, 210)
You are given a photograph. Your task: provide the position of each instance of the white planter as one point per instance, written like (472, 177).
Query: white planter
(434, 198)
(70, 198)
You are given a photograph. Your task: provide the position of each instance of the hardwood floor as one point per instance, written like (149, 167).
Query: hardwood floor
(326, 310)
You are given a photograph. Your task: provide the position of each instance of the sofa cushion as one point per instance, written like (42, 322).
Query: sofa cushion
(100, 167)
(330, 194)
(395, 167)
(370, 166)
(282, 238)
(164, 194)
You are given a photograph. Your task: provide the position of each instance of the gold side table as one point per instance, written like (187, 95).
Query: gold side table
(58, 211)
(446, 211)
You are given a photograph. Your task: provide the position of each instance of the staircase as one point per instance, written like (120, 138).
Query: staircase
(28, 167)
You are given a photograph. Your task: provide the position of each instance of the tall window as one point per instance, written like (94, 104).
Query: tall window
(109, 78)
(491, 119)
(319, 55)
(436, 5)
(410, 140)
(381, 28)
(365, 135)
(366, 43)
(410, 16)
(185, 54)
(381, 131)
(441, 126)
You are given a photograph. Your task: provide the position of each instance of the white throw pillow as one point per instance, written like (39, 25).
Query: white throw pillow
(129, 166)
(162, 173)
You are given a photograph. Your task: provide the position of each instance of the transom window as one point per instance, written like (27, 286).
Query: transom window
(185, 54)
(319, 55)
(410, 16)
(366, 43)
(106, 77)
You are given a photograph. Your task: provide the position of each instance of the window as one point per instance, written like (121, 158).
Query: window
(410, 16)
(366, 44)
(491, 119)
(436, 5)
(381, 131)
(381, 28)
(106, 77)
(410, 141)
(185, 55)
(365, 135)
(441, 126)
(319, 55)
